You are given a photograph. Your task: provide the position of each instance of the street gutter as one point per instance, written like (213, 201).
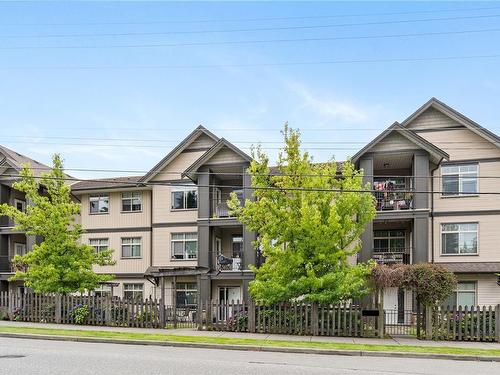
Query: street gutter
(257, 348)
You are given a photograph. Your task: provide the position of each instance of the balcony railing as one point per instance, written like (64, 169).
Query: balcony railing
(392, 256)
(220, 208)
(394, 200)
(228, 264)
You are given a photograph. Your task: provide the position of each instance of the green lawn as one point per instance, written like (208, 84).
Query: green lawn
(249, 341)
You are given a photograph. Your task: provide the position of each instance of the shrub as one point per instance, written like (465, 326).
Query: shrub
(80, 314)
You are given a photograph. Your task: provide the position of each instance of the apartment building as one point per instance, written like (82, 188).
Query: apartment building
(432, 173)
(171, 230)
(173, 235)
(12, 241)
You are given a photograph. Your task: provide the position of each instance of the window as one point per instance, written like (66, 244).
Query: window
(459, 179)
(184, 246)
(99, 244)
(99, 204)
(20, 205)
(186, 294)
(102, 290)
(131, 247)
(133, 292)
(459, 238)
(20, 248)
(389, 240)
(184, 198)
(131, 202)
(237, 243)
(464, 295)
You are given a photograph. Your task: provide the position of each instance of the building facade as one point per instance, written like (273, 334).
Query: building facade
(173, 236)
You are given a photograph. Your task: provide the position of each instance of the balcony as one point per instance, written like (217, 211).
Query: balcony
(393, 194)
(219, 207)
(228, 264)
(392, 256)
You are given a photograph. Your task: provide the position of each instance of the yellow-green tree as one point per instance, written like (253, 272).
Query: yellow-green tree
(309, 220)
(60, 263)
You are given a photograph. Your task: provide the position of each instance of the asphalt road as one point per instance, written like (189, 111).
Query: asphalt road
(25, 357)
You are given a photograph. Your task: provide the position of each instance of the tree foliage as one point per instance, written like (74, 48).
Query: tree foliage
(60, 263)
(430, 283)
(309, 220)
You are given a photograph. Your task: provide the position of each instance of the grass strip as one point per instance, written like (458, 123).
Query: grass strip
(251, 341)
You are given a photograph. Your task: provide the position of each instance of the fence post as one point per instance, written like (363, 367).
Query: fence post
(314, 319)
(428, 322)
(108, 302)
(251, 316)
(497, 323)
(10, 305)
(381, 320)
(163, 321)
(57, 316)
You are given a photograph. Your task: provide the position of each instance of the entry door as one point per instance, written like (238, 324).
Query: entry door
(226, 295)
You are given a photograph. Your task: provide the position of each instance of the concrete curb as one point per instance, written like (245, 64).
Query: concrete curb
(274, 349)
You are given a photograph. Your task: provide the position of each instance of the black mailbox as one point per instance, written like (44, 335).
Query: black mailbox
(370, 312)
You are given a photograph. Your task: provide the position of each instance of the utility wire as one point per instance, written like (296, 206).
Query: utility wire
(282, 18)
(160, 183)
(258, 41)
(255, 65)
(270, 174)
(258, 29)
(122, 145)
(171, 141)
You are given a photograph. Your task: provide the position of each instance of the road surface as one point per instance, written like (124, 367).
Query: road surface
(26, 357)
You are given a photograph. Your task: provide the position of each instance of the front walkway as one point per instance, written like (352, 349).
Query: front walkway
(192, 332)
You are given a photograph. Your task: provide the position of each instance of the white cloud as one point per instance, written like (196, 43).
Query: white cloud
(326, 107)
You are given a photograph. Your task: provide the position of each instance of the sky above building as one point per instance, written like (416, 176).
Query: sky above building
(117, 85)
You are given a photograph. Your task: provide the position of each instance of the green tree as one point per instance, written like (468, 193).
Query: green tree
(60, 263)
(309, 220)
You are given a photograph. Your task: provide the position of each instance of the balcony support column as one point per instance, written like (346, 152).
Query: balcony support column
(366, 164)
(248, 237)
(421, 171)
(420, 239)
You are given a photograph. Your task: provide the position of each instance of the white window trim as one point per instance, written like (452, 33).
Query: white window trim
(122, 244)
(19, 244)
(99, 245)
(99, 196)
(184, 189)
(185, 258)
(458, 254)
(133, 290)
(459, 194)
(23, 203)
(457, 290)
(131, 202)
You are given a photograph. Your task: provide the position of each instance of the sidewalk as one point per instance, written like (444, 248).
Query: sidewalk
(400, 341)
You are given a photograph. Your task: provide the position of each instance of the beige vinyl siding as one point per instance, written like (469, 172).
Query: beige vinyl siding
(476, 147)
(162, 210)
(394, 142)
(115, 218)
(131, 265)
(432, 119)
(471, 203)
(174, 169)
(488, 250)
(225, 155)
(162, 246)
(487, 289)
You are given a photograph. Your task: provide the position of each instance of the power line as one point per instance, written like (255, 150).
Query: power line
(283, 18)
(135, 184)
(171, 141)
(246, 148)
(259, 41)
(255, 65)
(270, 174)
(282, 28)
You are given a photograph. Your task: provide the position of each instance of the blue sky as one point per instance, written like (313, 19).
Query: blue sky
(54, 95)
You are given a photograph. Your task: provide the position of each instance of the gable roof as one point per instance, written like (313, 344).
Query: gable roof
(408, 134)
(176, 151)
(16, 161)
(189, 172)
(455, 115)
